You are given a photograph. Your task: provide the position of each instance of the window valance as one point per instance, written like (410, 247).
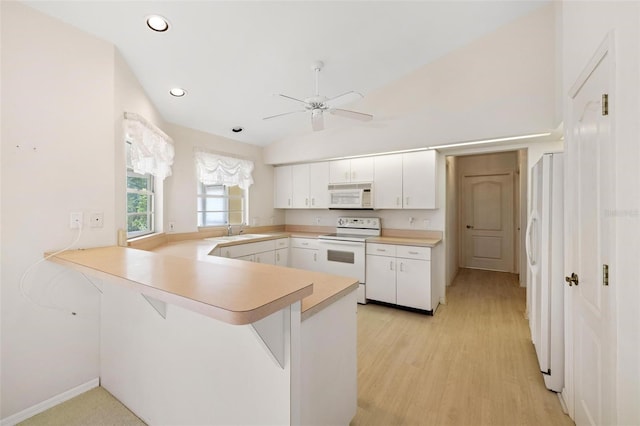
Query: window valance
(152, 150)
(214, 169)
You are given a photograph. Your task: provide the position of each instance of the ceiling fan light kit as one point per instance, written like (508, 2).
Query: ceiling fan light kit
(318, 104)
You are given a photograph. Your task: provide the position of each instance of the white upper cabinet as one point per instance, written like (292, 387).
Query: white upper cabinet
(400, 181)
(352, 170)
(419, 180)
(283, 187)
(406, 181)
(387, 184)
(302, 186)
(318, 185)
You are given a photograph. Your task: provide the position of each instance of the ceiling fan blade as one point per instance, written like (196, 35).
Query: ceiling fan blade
(292, 98)
(284, 113)
(351, 114)
(343, 97)
(317, 120)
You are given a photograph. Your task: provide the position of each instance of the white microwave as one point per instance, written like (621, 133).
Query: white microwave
(351, 196)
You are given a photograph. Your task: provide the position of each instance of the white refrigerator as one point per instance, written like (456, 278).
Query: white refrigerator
(545, 257)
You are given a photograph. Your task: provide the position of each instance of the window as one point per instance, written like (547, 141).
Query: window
(220, 205)
(140, 201)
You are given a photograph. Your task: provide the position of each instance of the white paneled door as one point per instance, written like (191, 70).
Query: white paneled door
(591, 191)
(487, 222)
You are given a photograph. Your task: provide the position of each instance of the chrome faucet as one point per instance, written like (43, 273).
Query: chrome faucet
(229, 230)
(241, 228)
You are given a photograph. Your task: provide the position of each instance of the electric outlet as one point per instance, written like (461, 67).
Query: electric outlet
(172, 226)
(426, 223)
(97, 220)
(75, 220)
(411, 220)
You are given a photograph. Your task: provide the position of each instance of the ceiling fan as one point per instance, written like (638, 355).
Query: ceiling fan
(318, 104)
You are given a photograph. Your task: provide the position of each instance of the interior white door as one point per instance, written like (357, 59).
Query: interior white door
(487, 222)
(590, 184)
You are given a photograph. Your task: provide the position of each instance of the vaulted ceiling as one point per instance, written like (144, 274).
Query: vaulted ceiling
(233, 56)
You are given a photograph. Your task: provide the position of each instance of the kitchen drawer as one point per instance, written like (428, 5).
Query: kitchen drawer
(413, 252)
(308, 243)
(381, 249)
(240, 250)
(282, 243)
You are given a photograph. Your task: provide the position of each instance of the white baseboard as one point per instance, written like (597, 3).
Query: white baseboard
(563, 403)
(51, 402)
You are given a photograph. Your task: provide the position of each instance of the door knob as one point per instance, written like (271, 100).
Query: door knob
(573, 279)
(469, 226)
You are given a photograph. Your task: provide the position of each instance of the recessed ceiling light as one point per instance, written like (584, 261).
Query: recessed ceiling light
(157, 23)
(177, 92)
(237, 129)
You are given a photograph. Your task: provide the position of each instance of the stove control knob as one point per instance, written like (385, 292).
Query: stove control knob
(340, 222)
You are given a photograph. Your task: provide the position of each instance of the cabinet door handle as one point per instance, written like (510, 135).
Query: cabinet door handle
(407, 201)
(397, 201)
(401, 267)
(382, 250)
(306, 201)
(304, 244)
(278, 257)
(413, 252)
(315, 257)
(289, 202)
(313, 201)
(391, 265)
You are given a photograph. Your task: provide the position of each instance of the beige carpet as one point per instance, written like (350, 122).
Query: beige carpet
(96, 407)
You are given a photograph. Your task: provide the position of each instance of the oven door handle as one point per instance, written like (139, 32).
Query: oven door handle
(342, 243)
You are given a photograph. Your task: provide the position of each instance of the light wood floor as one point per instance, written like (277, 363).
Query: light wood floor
(472, 363)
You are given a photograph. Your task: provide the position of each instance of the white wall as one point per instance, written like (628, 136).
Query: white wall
(585, 25)
(502, 84)
(181, 187)
(57, 157)
(64, 94)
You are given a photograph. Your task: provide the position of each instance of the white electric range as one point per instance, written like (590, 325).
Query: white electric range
(343, 252)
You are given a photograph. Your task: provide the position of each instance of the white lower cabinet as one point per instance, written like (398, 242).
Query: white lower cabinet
(282, 257)
(400, 275)
(272, 252)
(381, 274)
(267, 257)
(304, 254)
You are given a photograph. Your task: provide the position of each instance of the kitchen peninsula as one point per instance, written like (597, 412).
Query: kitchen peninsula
(222, 341)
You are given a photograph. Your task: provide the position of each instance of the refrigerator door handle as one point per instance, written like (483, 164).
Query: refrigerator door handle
(527, 240)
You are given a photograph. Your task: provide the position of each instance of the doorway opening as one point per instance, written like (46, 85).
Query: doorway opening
(486, 207)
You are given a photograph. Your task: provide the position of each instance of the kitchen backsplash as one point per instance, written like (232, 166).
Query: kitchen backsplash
(396, 219)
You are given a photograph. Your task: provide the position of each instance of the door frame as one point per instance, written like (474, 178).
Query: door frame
(606, 47)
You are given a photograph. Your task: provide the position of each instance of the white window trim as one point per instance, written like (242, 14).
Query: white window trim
(202, 196)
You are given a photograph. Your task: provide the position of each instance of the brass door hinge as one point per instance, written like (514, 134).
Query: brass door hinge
(605, 104)
(605, 274)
